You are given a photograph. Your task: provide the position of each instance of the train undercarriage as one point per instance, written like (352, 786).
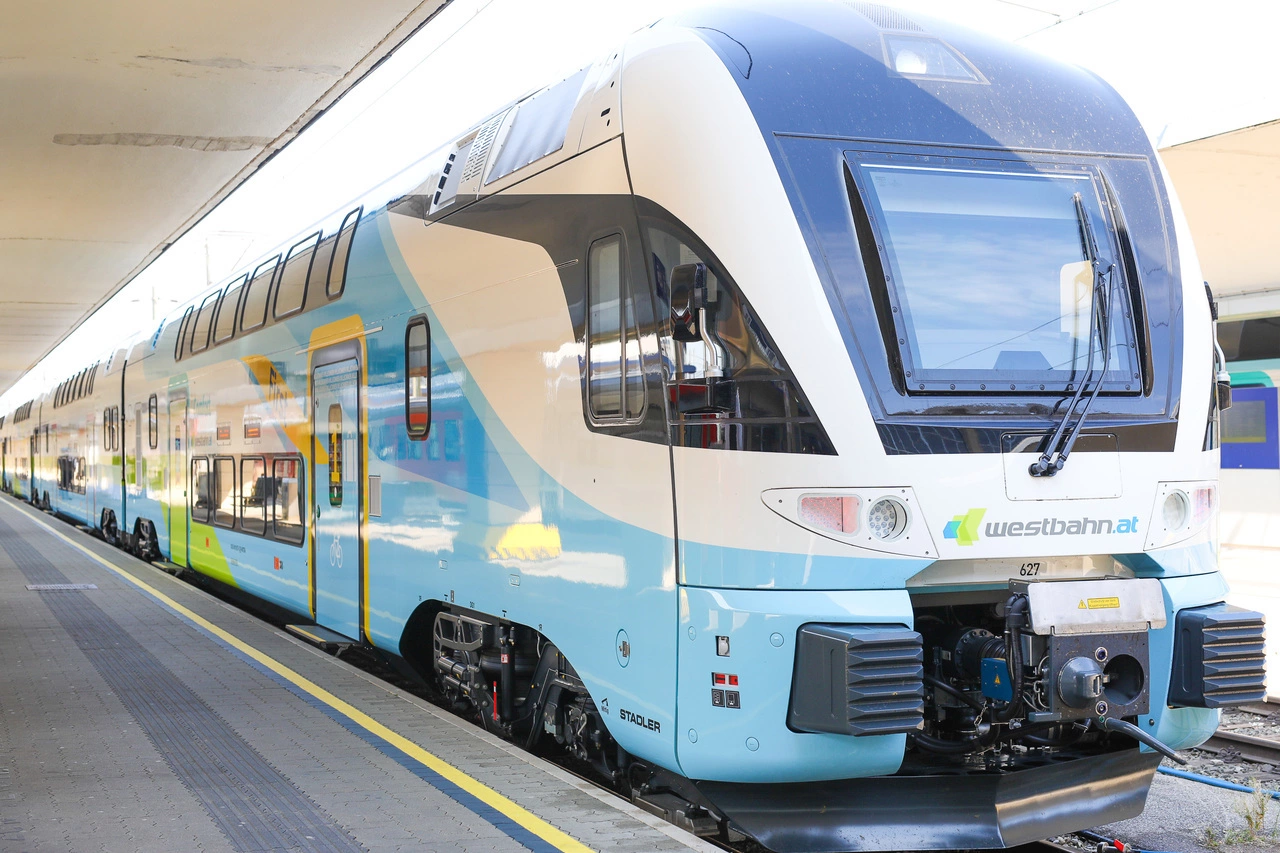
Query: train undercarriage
(1036, 697)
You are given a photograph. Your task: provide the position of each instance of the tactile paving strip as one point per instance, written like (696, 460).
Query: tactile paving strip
(256, 807)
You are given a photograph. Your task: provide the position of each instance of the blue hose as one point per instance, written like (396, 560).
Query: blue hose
(1217, 783)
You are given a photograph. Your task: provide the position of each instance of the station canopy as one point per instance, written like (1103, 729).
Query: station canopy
(1229, 185)
(122, 123)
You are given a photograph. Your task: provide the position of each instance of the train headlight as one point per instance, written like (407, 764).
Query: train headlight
(835, 513)
(883, 519)
(1183, 511)
(887, 519)
(1177, 510)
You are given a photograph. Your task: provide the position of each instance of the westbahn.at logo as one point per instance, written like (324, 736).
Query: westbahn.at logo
(965, 528)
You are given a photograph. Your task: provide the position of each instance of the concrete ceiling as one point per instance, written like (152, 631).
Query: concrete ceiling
(122, 123)
(1229, 185)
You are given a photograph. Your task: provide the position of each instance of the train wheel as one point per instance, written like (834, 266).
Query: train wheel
(110, 529)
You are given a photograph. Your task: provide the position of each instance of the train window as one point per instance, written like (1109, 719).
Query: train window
(116, 430)
(341, 254)
(287, 499)
(291, 292)
(417, 378)
(203, 324)
(224, 491)
(319, 279)
(256, 491)
(46, 438)
(224, 327)
(153, 422)
(200, 489)
(1245, 423)
(178, 345)
(731, 388)
(615, 381)
(335, 455)
(1250, 340)
(106, 428)
(982, 277)
(93, 375)
(254, 303)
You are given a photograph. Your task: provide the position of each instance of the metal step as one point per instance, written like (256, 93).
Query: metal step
(324, 638)
(171, 568)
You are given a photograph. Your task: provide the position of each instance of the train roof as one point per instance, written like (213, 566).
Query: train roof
(864, 71)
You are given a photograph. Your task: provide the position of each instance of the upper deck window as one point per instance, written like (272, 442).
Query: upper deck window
(984, 275)
(225, 325)
(291, 292)
(255, 300)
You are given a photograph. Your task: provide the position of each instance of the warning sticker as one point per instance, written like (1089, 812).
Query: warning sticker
(1100, 604)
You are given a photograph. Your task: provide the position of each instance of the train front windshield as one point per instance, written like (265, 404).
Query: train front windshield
(985, 273)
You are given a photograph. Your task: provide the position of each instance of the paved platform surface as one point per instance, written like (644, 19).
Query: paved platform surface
(145, 715)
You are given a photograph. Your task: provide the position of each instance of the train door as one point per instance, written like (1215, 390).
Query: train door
(175, 503)
(89, 468)
(34, 479)
(336, 552)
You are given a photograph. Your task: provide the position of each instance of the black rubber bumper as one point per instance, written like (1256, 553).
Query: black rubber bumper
(976, 811)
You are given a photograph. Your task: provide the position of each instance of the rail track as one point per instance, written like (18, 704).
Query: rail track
(1259, 750)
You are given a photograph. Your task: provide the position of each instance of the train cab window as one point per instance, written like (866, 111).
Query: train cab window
(417, 378)
(255, 493)
(224, 327)
(200, 490)
(224, 491)
(287, 500)
(203, 324)
(291, 292)
(153, 422)
(615, 380)
(254, 303)
(179, 346)
(337, 282)
(983, 277)
(731, 387)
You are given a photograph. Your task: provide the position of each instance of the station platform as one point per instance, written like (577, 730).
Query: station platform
(139, 713)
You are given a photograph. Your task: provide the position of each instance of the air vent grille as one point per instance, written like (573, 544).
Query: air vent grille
(1219, 657)
(480, 149)
(858, 680)
(886, 18)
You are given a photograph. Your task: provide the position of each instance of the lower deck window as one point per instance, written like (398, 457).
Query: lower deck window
(287, 501)
(224, 491)
(255, 490)
(200, 490)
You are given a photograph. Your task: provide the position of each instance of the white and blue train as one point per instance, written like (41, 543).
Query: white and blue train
(806, 414)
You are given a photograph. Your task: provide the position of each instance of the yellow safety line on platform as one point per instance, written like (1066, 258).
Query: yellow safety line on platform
(472, 786)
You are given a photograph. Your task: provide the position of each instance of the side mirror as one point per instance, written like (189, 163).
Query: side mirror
(1223, 388)
(688, 284)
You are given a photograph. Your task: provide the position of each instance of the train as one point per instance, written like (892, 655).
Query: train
(806, 415)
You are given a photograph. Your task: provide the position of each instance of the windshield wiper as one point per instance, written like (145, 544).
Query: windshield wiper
(1059, 446)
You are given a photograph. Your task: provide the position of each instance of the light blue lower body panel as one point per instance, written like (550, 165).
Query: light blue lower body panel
(751, 743)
